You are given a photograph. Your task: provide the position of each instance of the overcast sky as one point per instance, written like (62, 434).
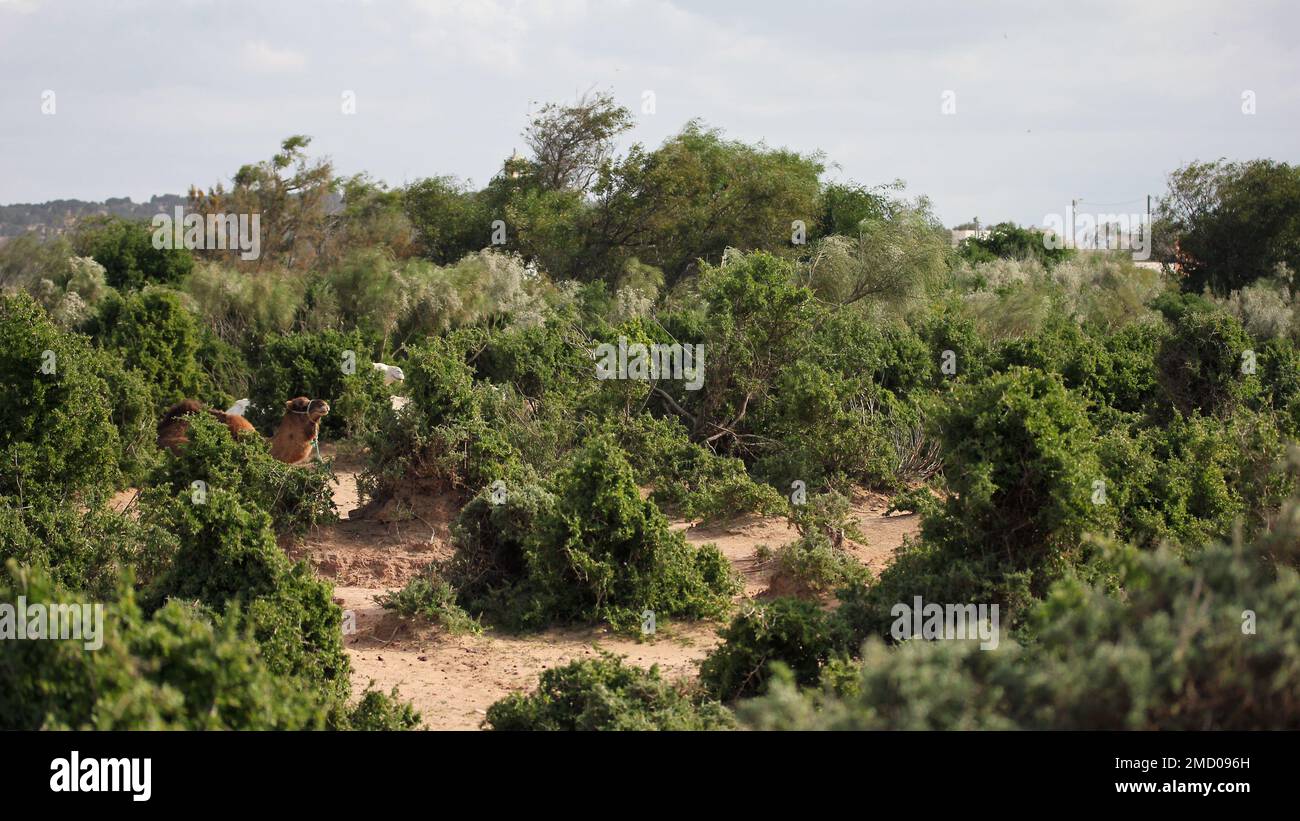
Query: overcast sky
(1096, 100)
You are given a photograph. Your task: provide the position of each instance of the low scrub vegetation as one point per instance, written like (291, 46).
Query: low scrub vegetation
(1097, 449)
(604, 693)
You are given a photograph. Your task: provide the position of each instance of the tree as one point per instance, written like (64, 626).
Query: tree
(125, 249)
(699, 194)
(1231, 223)
(571, 143)
(449, 220)
(293, 196)
(372, 214)
(1007, 240)
(27, 259)
(845, 205)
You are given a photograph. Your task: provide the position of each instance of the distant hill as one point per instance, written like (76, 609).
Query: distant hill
(57, 216)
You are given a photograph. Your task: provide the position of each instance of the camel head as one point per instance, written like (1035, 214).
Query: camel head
(298, 429)
(313, 409)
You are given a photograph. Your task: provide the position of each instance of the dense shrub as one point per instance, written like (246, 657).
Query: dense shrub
(492, 542)
(817, 563)
(125, 249)
(57, 436)
(812, 566)
(239, 306)
(378, 711)
(325, 365)
(130, 401)
(429, 597)
(1021, 467)
(537, 361)
(1020, 461)
(606, 694)
(1007, 240)
(81, 548)
(175, 668)
(443, 441)
(833, 430)
(1279, 368)
(297, 497)
(1200, 645)
(228, 375)
(228, 557)
(1201, 363)
(685, 478)
(793, 632)
(152, 332)
(1195, 479)
(592, 551)
(756, 313)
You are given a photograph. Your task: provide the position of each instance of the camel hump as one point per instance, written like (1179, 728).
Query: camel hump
(236, 424)
(182, 408)
(173, 427)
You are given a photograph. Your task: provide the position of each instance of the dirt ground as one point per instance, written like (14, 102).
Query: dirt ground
(453, 679)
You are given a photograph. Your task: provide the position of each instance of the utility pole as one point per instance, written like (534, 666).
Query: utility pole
(1071, 239)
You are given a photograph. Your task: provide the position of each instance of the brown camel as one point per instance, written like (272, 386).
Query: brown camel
(298, 429)
(173, 425)
(293, 439)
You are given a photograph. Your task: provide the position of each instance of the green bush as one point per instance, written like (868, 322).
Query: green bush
(686, 478)
(407, 456)
(811, 566)
(832, 429)
(443, 441)
(172, 669)
(56, 430)
(1020, 460)
(1197, 478)
(1202, 645)
(606, 694)
(83, 549)
(492, 542)
(228, 556)
(376, 711)
(793, 632)
(431, 598)
(130, 400)
(125, 249)
(227, 373)
(316, 365)
(1021, 467)
(592, 551)
(297, 497)
(1201, 363)
(150, 331)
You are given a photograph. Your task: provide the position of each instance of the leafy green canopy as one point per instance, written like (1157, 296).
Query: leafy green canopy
(125, 249)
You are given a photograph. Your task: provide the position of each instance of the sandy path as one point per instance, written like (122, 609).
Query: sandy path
(453, 679)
